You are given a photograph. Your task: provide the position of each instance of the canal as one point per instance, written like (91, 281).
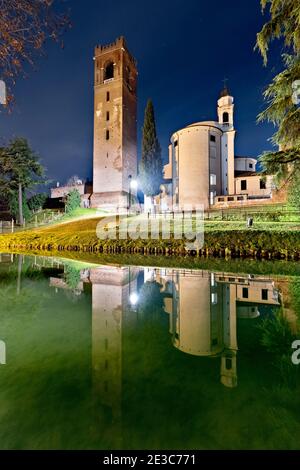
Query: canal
(111, 356)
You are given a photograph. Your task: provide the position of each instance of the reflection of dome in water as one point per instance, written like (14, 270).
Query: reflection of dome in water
(195, 331)
(247, 311)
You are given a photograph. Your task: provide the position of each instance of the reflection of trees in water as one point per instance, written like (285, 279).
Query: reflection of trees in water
(150, 296)
(72, 276)
(294, 290)
(277, 338)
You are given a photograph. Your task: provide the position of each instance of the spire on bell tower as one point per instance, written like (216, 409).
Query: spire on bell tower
(225, 105)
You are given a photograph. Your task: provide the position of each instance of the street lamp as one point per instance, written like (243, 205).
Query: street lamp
(133, 299)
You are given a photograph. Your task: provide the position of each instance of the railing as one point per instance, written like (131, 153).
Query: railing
(37, 220)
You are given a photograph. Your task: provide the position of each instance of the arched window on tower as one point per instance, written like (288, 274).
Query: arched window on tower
(109, 71)
(225, 118)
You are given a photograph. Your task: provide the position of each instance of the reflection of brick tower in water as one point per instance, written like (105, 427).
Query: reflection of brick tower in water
(115, 125)
(111, 287)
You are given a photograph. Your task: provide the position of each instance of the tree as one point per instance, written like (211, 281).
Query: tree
(283, 113)
(20, 170)
(284, 23)
(37, 201)
(294, 191)
(13, 201)
(73, 201)
(150, 175)
(25, 25)
(282, 110)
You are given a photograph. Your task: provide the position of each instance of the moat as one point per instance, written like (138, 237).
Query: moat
(112, 356)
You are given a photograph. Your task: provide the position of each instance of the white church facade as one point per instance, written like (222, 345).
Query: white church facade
(204, 170)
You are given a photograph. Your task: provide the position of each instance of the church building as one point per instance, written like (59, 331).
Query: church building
(204, 170)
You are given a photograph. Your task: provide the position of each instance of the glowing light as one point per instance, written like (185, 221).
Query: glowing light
(133, 299)
(133, 184)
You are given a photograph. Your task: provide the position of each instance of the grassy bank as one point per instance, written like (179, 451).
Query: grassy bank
(270, 240)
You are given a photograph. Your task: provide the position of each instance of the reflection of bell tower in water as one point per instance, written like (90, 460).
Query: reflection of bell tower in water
(111, 288)
(115, 125)
(203, 322)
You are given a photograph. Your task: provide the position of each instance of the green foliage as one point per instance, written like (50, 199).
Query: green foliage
(20, 165)
(72, 276)
(73, 201)
(277, 338)
(37, 201)
(281, 110)
(19, 170)
(14, 206)
(150, 294)
(285, 115)
(284, 23)
(294, 291)
(150, 175)
(283, 164)
(294, 191)
(276, 335)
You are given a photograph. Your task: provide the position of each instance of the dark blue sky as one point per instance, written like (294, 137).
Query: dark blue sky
(184, 48)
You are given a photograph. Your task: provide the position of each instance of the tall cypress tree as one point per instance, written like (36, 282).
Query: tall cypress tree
(150, 175)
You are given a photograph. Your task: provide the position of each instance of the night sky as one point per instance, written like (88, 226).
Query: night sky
(184, 49)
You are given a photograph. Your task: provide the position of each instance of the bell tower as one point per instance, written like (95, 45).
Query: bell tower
(225, 116)
(115, 125)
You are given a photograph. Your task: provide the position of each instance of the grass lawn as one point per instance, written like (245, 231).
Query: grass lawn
(79, 232)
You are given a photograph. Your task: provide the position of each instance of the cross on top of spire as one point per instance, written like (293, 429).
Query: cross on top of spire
(225, 91)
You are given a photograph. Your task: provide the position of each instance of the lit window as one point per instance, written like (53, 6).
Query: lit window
(213, 179)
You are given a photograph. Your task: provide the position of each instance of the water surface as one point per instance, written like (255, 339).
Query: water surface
(115, 356)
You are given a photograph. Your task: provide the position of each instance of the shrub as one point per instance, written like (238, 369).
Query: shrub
(37, 201)
(73, 201)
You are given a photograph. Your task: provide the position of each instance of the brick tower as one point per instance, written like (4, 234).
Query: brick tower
(115, 125)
